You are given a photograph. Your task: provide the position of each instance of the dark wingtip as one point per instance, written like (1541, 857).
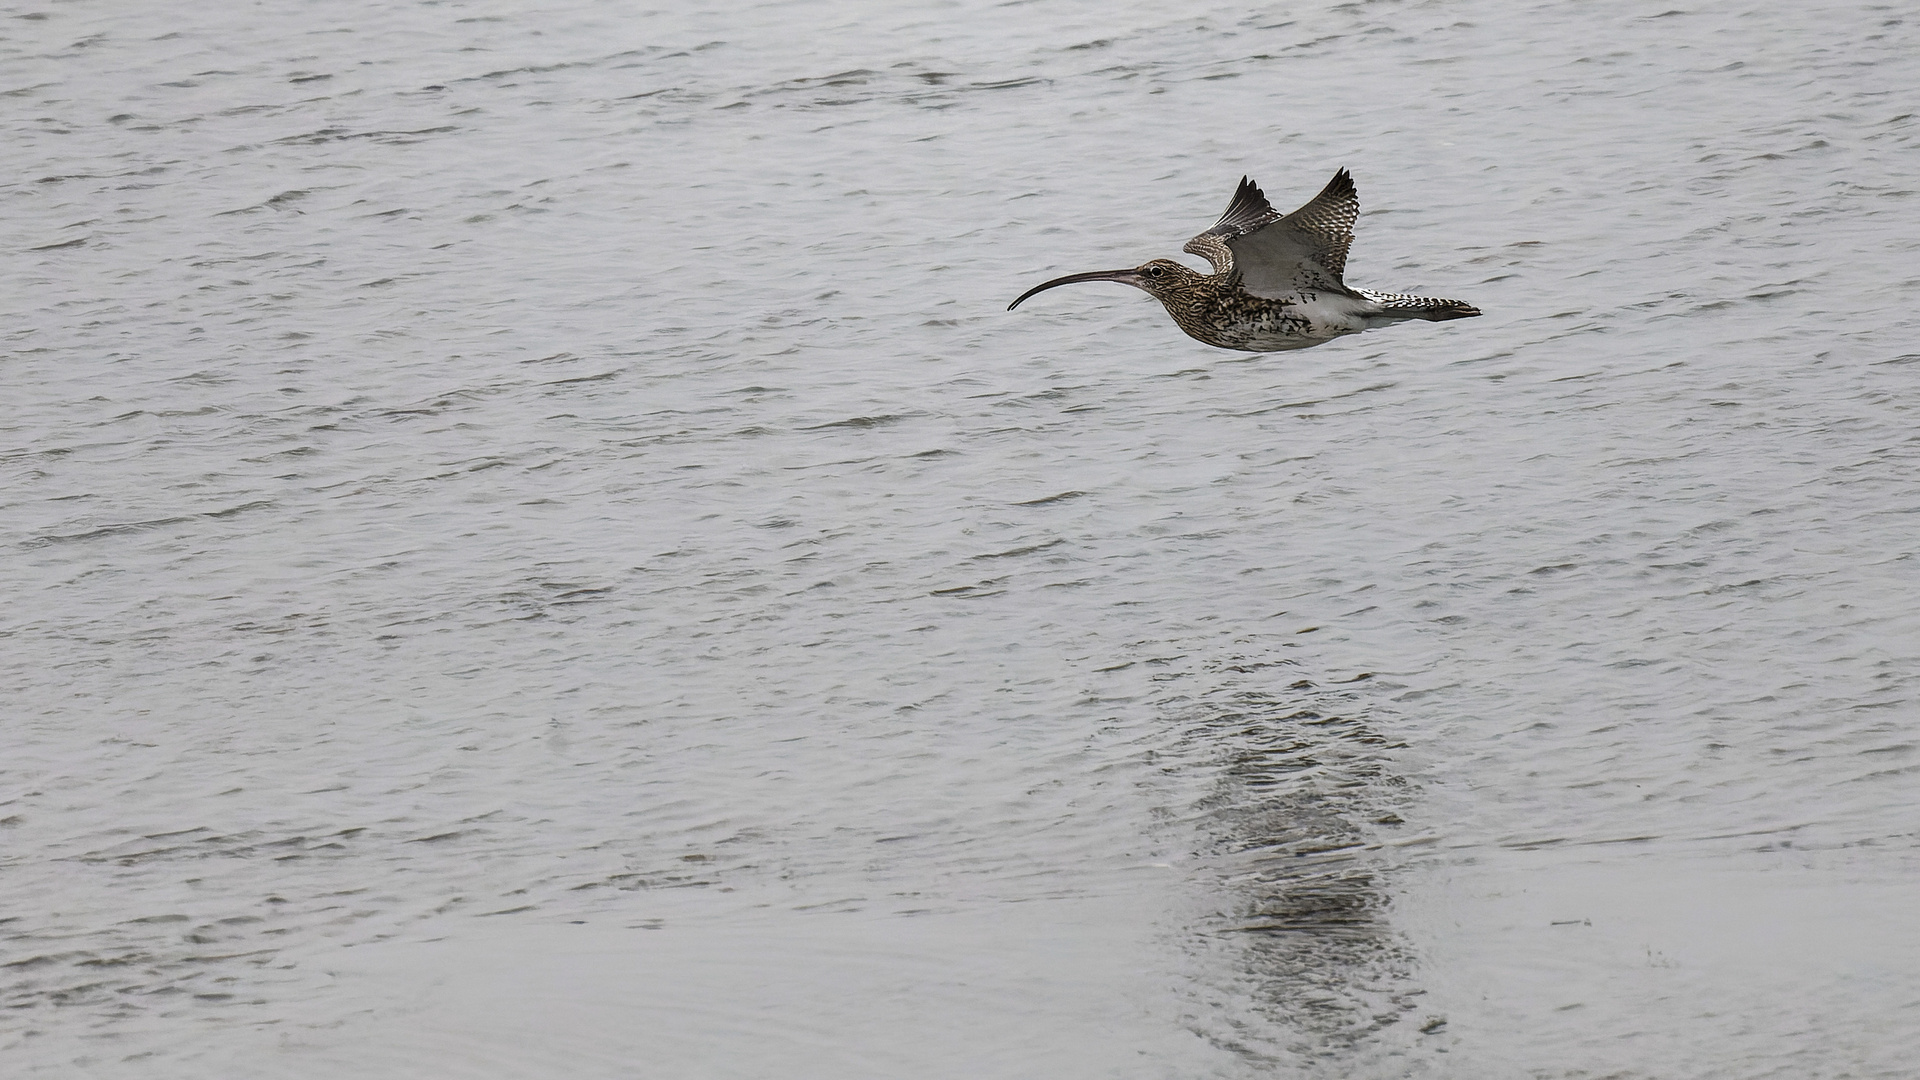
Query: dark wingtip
(1341, 185)
(1248, 210)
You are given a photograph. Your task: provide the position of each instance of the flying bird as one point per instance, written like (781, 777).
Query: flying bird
(1276, 281)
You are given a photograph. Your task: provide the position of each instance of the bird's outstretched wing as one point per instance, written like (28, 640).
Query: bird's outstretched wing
(1279, 257)
(1248, 211)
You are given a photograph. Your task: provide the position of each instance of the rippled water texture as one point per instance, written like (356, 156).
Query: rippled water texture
(533, 547)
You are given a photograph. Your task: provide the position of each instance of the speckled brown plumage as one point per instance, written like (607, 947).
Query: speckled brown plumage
(1278, 280)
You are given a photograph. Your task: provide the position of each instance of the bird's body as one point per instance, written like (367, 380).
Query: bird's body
(1277, 279)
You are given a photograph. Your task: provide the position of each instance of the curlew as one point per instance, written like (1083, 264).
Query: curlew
(1276, 281)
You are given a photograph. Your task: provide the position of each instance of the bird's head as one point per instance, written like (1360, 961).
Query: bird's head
(1163, 278)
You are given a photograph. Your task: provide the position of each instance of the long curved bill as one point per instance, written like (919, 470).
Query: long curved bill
(1125, 277)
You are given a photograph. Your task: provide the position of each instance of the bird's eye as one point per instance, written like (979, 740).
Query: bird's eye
(1156, 271)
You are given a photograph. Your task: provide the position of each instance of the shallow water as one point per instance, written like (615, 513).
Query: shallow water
(534, 546)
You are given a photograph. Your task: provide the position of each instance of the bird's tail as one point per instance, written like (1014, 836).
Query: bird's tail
(1392, 307)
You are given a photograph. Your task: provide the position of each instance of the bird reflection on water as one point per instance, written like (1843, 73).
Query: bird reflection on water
(1304, 796)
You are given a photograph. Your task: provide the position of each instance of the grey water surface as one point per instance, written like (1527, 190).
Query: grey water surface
(532, 547)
